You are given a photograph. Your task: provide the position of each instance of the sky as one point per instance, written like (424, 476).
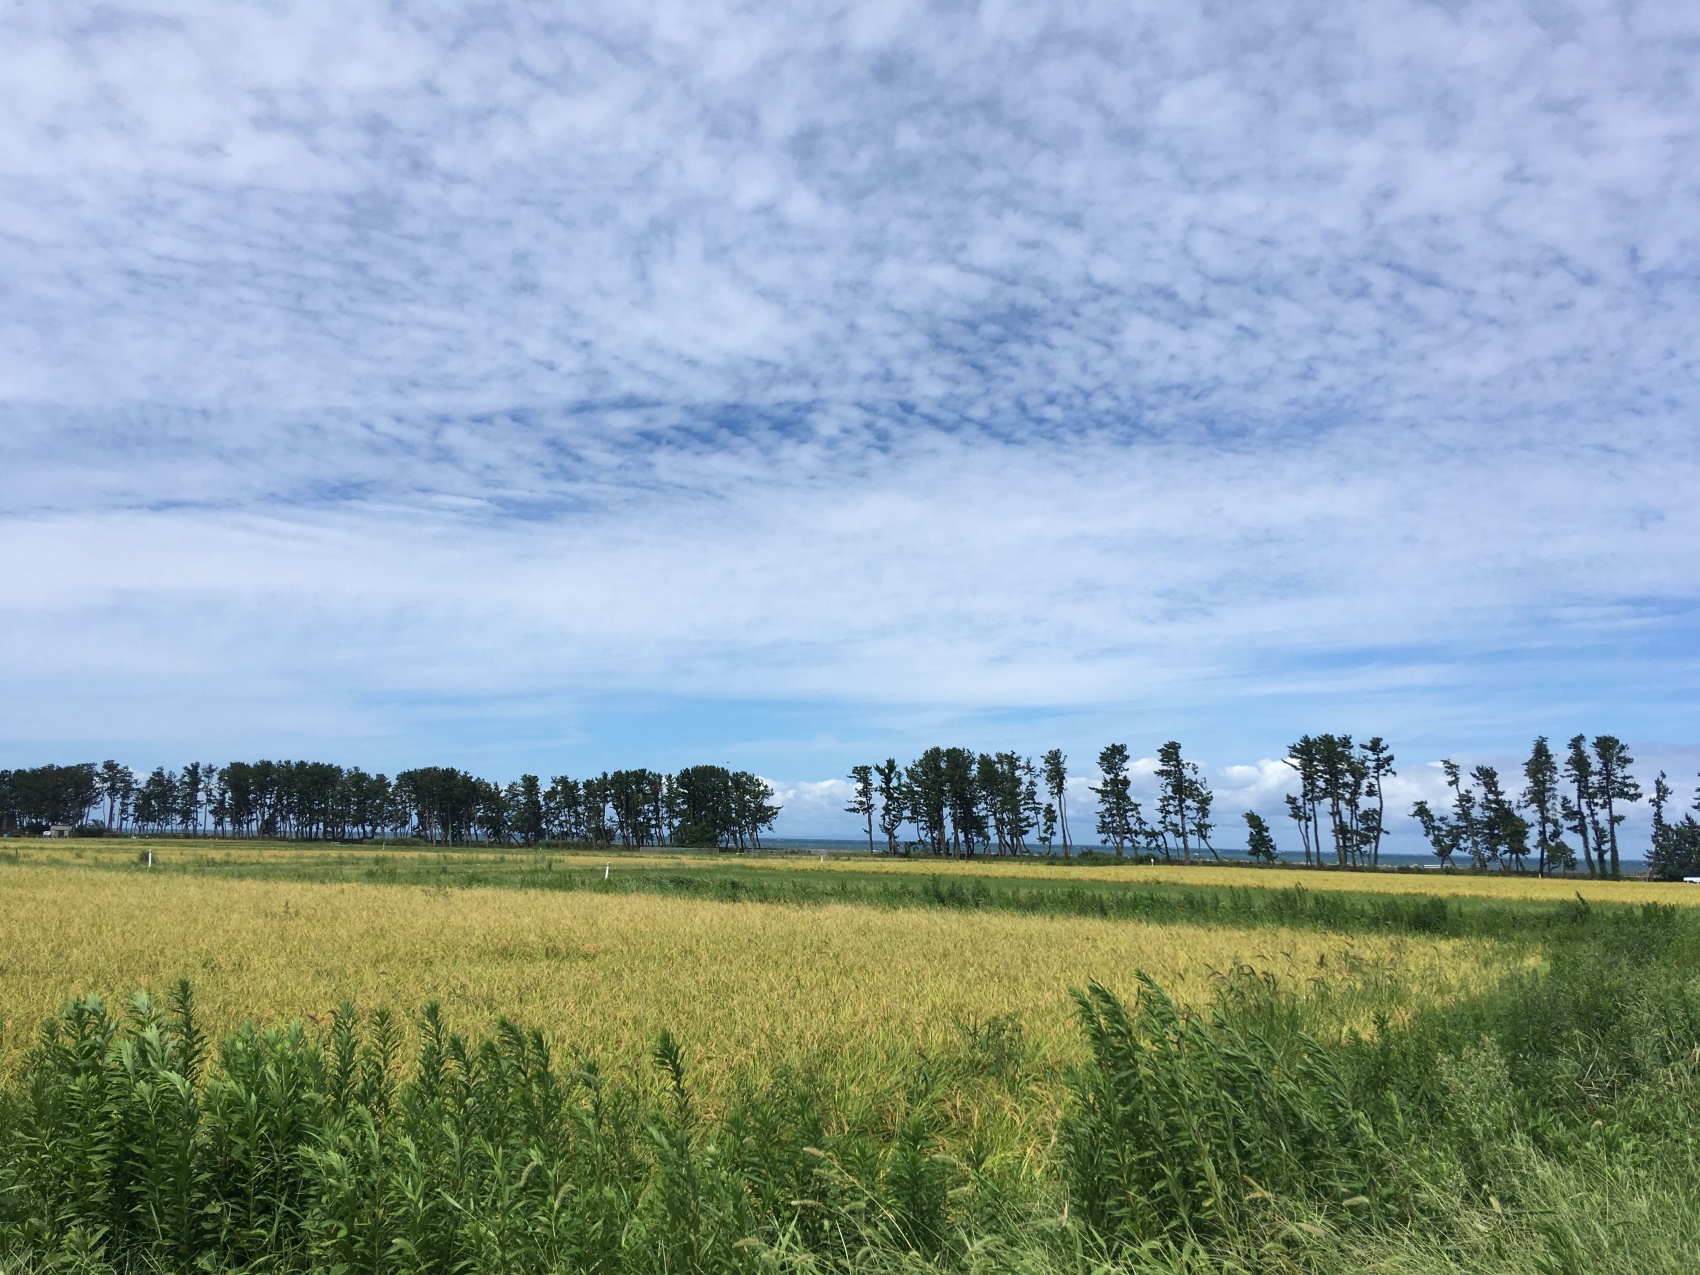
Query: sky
(548, 388)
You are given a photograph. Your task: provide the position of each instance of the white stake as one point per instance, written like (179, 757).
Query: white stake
(607, 868)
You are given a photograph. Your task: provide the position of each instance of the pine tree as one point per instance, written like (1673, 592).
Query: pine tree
(528, 813)
(116, 785)
(1260, 842)
(894, 802)
(1579, 814)
(1675, 851)
(1199, 794)
(1304, 757)
(1441, 832)
(1613, 784)
(1301, 817)
(862, 798)
(1504, 832)
(1541, 797)
(1115, 802)
(962, 800)
(1378, 762)
(1056, 783)
(1340, 780)
(1173, 804)
(1465, 822)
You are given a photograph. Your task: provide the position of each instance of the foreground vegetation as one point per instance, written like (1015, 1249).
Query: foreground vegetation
(702, 1085)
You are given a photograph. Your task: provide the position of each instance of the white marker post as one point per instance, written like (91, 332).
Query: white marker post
(607, 868)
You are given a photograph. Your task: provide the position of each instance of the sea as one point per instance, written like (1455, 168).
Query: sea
(859, 845)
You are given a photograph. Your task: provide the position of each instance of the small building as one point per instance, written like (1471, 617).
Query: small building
(59, 830)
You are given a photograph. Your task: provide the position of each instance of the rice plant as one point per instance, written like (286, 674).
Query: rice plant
(1425, 1105)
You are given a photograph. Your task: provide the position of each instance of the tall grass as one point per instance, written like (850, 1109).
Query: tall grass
(320, 1151)
(1545, 1125)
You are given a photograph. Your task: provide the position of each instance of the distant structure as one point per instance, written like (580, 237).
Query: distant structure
(59, 830)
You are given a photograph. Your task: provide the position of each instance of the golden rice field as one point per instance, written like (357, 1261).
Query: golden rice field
(744, 985)
(1284, 877)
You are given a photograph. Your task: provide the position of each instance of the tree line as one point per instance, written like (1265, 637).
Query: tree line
(947, 802)
(303, 800)
(1341, 807)
(1583, 795)
(953, 801)
(956, 802)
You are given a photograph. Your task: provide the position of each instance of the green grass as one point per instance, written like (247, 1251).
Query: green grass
(1546, 1125)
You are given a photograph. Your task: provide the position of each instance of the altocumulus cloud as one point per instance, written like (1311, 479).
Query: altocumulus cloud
(540, 385)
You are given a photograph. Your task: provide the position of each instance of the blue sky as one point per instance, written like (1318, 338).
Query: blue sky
(538, 387)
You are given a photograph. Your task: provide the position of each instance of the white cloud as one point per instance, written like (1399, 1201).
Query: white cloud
(1162, 371)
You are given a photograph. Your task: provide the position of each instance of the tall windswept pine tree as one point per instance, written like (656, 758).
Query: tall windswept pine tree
(962, 800)
(1301, 818)
(1675, 849)
(1466, 820)
(1504, 832)
(1174, 797)
(528, 821)
(1541, 798)
(894, 801)
(116, 785)
(1259, 841)
(1305, 758)
(1198, 792)
(1378, 763)
(1659, 800)
(1580, 814)
(1614, 785)
(925, 783)
(862, 798)
(1115, 800)
(1055, 766)
(1441, 833)
(1184, 800)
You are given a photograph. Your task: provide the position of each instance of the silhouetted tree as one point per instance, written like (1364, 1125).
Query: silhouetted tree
(862, 799)
(1259, 841)
(1613, 784)
(1541, 798)
(55, 794)
(116, 786)
(1580, 814)
(1675, 849)
(1115, 800)
(894, 801)
(1056, 783)
(1305, 759)
(1378, 761)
